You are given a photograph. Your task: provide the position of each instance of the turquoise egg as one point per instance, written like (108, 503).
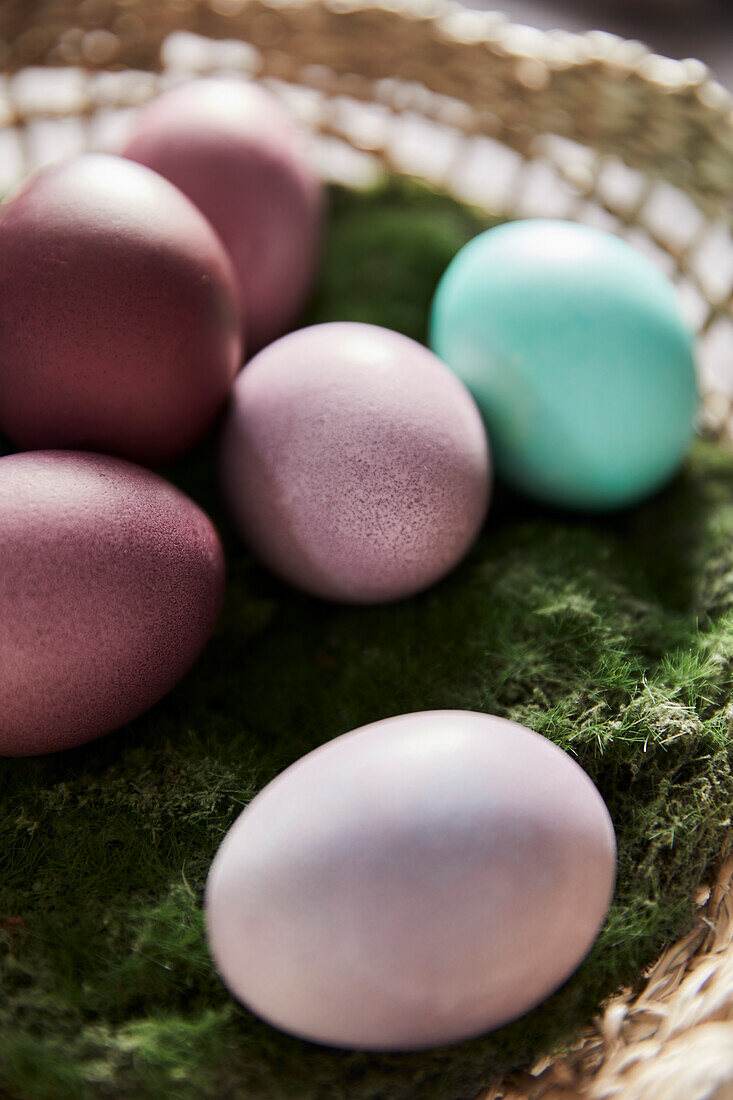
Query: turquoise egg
(572, 344)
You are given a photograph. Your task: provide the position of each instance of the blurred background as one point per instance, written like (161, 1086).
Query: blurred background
(677, 28)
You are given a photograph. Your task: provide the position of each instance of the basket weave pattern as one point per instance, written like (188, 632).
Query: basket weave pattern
(588, 127)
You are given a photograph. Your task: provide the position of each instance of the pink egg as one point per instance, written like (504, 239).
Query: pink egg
(415, 882)
(110, 584)
(119, 325)
(232, 149)
(355, 463)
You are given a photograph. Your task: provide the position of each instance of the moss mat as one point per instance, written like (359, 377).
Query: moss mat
(613, 637)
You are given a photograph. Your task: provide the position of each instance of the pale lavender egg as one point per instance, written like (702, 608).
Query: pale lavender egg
(111, 581)
(355, 463)
(119, 324)
(416, 882)
(232, 148)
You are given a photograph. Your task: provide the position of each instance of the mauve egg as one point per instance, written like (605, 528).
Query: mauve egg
(416, 882)
(110, 584)
(232, 148)
(354, 462)
(119, 325)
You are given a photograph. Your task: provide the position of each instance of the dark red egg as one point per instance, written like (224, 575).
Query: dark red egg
(119, 325)
(111, 581)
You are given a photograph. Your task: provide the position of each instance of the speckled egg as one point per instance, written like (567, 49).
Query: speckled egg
(119, 324)
(355, 464)
(416, 882)
(572, 343)
(232, 148)
(110, 584)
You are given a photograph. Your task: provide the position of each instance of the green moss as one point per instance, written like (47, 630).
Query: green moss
(612, 637)
(385, 254)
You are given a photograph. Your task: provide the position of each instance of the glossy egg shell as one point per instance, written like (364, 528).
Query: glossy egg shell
(413, 883)
(110, 584)
(572, 343)
(355, 464)
(232, 148)
(119, 324)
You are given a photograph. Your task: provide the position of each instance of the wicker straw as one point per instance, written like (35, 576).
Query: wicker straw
(590, 127)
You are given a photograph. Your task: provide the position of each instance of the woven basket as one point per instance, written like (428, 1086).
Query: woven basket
(523, 123)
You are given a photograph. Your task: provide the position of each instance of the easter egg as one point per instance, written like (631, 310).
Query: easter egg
(416, 882)
(572, 344)
(232, 148)
(119, 325)
(110, 584)
(354, 463)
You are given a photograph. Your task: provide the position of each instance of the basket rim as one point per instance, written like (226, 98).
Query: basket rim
(670, 118)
